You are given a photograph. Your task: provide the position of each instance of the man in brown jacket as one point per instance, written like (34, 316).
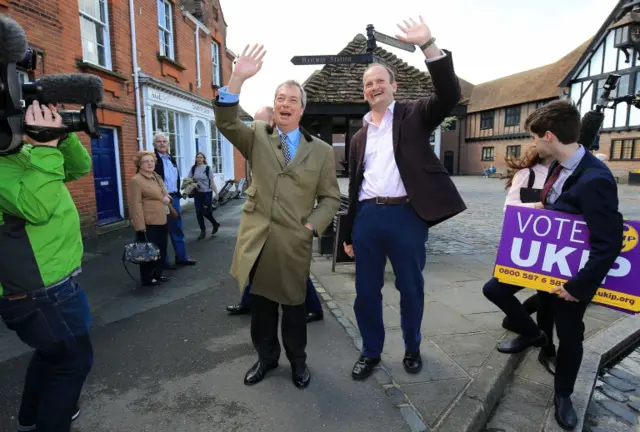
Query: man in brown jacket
(291, 169)
(398, 188)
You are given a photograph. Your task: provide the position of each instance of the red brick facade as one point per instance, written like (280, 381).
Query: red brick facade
(53, 29)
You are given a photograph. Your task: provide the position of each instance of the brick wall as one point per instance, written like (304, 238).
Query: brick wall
(53, 29)
(182, 71)
(472, 162)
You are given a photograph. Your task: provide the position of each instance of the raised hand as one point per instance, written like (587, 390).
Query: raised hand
(249, 63)
(414, 33)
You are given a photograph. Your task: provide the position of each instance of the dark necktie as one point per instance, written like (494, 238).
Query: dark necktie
(285, 149)
(549, 183)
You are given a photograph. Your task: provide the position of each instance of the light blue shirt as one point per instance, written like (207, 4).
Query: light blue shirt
(293, 137)
(170, 174)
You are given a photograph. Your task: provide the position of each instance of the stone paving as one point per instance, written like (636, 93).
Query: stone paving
(460, 327)
(615, 406)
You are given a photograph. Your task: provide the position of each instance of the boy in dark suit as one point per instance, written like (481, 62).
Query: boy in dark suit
(578, 183)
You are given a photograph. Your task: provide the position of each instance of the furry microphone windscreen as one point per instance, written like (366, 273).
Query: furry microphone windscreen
(13, 41)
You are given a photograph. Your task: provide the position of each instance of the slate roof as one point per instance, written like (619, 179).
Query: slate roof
(532, 85)
(342, 84)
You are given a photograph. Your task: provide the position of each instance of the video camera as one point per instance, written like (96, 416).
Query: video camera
(592, 120)
(82, 89)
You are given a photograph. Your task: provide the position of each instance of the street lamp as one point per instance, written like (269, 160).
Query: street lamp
(627, 34)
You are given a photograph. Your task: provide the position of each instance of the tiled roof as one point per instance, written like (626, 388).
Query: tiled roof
(342, 84)
(528, 86)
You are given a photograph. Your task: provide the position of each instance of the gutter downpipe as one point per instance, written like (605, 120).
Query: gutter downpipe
(196, 35)
(136, 81)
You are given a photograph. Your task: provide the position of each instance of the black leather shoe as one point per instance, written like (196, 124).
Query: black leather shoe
(521, 343)
(565, 414)
(300, 375)
(548, 360)
(164, 279)
(364, 367)
(186, 263)
(238, 309)
(315, 316)
(507, 325)
(257, 372)
(412, 362)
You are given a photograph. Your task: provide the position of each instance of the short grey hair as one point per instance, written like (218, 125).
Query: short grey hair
(159, 135)
(293, 83)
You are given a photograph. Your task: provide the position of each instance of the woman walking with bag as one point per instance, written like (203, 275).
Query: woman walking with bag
(149, 203)
(202, 174)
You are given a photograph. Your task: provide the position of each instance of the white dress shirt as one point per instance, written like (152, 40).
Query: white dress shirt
(521, 180)
(381, 175)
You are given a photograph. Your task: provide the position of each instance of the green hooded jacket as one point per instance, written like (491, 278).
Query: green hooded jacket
(40, 238)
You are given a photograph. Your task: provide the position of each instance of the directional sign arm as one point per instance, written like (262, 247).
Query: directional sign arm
(388, 40)
(332, 59)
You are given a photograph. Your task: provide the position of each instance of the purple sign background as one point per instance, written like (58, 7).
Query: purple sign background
(554, 231)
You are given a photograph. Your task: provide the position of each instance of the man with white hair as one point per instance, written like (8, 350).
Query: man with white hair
(167, 168)
(312, 302)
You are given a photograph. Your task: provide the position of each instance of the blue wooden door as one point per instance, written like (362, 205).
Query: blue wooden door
(105, 172)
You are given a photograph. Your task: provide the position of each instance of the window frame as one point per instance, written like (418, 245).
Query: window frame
(106, 33)
(487, 119)
(515, 118)
(170, 31)
(216, 78)
(488, 158)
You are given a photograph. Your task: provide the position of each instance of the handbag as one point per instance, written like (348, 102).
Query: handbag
(140, 252)
(530, 194)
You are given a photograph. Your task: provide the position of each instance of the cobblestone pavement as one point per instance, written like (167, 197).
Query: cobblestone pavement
(615, 405)
(477, 230)
(460, 327)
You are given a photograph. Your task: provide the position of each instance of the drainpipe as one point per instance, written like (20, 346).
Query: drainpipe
(196, 35)
(136, 81)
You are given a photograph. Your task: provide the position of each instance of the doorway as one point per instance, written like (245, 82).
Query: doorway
(106, 173)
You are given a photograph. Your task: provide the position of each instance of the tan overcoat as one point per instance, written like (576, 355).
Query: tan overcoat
(279, 202)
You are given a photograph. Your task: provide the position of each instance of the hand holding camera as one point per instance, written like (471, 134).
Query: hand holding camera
(44, 116)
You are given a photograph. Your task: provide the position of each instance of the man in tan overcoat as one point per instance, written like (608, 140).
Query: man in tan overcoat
(291, 170)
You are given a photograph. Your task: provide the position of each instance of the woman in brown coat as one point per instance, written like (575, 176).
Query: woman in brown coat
(148, 207)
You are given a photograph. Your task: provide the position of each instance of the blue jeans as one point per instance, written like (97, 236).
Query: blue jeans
(397, 232)
(176, 234)
(312, 302)
(56, 323)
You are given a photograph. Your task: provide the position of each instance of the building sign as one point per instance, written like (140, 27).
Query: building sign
(542, 249)
(177, 103)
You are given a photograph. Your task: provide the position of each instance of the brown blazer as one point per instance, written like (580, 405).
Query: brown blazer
(430, 190)
(145, 195)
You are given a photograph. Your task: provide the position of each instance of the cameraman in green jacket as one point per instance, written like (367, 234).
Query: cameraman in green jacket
(40, 253)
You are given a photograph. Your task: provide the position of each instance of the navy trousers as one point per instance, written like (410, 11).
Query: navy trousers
(312, 302)
(396, 232)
